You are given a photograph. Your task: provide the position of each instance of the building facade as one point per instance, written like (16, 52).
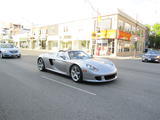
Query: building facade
(118, 35)
(14, 33)
(70, 35)
(115, 34)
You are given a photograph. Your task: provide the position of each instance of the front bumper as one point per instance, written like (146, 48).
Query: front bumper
(100, 77)
(11, 54)
(154, 59)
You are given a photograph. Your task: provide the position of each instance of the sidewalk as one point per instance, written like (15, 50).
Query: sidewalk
(121, 58)
(37, 52)
(34, 52)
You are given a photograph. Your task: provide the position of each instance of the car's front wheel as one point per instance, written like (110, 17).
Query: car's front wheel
(40, 64)
(19, 56)
(1, 55)
(76, 73)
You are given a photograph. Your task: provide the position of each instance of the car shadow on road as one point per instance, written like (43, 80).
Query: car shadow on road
(9, 58)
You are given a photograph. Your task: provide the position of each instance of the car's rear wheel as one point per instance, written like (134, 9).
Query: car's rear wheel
(40, 64)
(76, 73)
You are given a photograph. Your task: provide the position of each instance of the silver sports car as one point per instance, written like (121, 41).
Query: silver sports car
(78, 65)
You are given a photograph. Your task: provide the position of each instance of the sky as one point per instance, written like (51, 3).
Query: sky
(45, 12)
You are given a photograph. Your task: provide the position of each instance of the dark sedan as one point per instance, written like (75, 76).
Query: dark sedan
(151, 56)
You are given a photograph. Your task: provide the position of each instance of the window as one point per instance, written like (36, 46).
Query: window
(138, 32)
(52, 30)
(66, 29)
(62, 55)
(43, 31)
(126, 49)
(127, 27)
(78, 55)
(105, 24)
(120, 25)
(133, 30)
(55, 43)
(85, 44)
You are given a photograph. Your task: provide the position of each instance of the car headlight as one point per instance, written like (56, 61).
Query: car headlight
(4, 51)
(91, 67)
(158, 57)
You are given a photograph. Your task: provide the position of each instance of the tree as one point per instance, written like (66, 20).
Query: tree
(154, 36)
(156, 29)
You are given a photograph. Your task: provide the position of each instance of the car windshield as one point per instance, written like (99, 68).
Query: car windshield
(78, 55)
(153, 52)
(6, 46)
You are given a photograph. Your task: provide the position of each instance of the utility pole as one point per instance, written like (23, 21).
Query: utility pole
(136, 38)
(96, 28)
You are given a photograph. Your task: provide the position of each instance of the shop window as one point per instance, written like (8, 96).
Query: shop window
(66, 45)
(55, 43)
(126, 49)
(85, 44)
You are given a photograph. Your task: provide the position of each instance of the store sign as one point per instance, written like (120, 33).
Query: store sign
(111, 34)
(101, 41)
(124, 35)
(93, 35)
(106, 34)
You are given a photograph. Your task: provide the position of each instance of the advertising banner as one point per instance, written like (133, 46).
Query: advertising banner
(124, 35)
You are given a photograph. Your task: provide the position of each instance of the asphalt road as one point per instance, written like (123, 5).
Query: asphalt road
(27, 94)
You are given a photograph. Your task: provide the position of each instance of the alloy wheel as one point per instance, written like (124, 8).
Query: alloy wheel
(40, 64)
(76, 73)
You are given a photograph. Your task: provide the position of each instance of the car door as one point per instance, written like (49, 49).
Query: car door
(49, 60)
(60, 63)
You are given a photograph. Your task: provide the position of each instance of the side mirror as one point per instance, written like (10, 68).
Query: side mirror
(91, 56)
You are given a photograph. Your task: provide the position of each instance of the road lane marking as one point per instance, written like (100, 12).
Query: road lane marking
(67, 85)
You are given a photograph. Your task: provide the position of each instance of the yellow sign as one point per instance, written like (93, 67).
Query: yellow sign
(105, 34)
(111, 34)
(99, 18)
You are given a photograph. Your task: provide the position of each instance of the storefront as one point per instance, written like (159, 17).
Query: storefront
(104, 43)
(104, 47)
(66, 44)
(116, 43)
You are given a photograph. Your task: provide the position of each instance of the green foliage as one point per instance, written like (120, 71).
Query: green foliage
(148, 26)
(156, 29)
(154, 37)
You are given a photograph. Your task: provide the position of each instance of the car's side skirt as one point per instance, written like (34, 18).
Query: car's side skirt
(57, 71)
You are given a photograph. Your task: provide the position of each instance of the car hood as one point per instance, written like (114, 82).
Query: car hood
(9, 49)
(153, 55)
(103, 65)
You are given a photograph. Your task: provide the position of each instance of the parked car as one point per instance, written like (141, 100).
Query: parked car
(151, 56)
(78, 65)
(9, 50)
